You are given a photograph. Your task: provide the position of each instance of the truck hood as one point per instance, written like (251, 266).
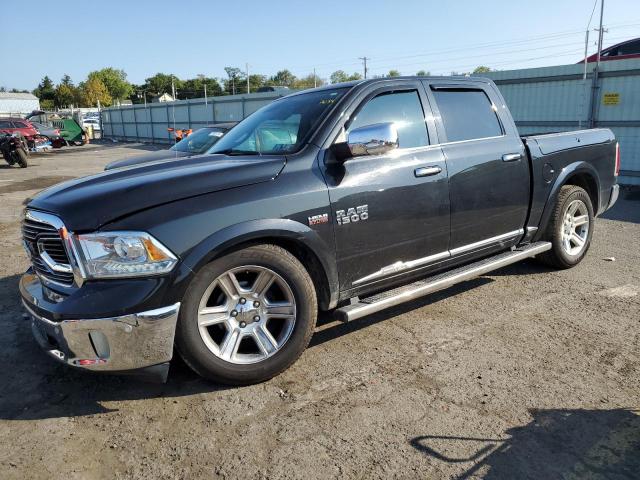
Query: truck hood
(149, 157)
(86, 204)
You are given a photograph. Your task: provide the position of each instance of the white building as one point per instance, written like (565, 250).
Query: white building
(18, 103)
(165, 97)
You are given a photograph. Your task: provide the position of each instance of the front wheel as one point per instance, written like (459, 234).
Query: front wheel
(570, 228)
(247, 316)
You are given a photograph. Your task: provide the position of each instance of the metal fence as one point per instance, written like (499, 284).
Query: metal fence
(150, 122)
(553, 99)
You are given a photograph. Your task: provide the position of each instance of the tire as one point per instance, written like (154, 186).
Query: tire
(222, 338)
(21, 158)
(568, 250)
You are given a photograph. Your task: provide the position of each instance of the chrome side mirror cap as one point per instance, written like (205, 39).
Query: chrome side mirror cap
(373, 139)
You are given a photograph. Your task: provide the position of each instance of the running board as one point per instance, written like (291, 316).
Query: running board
(391, 298)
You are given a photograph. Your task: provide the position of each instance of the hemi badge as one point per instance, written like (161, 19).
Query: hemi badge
(318, 219)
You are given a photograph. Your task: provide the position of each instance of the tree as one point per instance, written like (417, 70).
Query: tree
(235, 75)
(66, 80)
(194, 87)
(115, 81)
(393, 73)
(45, 91)
(94, 91)
(309, 81)
(340, 76)
(283, 78)
(256, 81)
(161, 83)
(423, 73)
(481, 69)
(65, 95)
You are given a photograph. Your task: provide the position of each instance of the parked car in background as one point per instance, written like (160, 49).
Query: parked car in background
(20, 125)
(621, 51)
(53, 134)
(91, 122)
(195, 144)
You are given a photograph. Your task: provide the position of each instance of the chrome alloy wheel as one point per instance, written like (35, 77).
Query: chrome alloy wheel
(247, 314)
(575, 227)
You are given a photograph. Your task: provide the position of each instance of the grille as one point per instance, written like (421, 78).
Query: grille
(35, 232)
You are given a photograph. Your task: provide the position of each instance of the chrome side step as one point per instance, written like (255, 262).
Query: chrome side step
(391, 298)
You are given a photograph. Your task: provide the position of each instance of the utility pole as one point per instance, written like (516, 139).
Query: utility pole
(173, 90)
(205, 96)
(586, 51)
(594, 86)
(315, 79)
(247, 67)
(364, 60)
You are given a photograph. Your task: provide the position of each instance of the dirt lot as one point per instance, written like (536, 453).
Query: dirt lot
(526, 373)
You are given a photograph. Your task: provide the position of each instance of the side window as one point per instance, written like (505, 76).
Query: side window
(629, 48)
(467, 114)
(4, 124)
(402, 108)
(20, 125)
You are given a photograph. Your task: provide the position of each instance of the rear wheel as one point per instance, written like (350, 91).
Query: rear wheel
(21, 158)
(247, 316)
(570, 228)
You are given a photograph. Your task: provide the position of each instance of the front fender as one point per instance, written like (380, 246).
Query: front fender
(564, 177)
(252, 230)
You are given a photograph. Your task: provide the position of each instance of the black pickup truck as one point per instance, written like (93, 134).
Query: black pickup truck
(352, 198)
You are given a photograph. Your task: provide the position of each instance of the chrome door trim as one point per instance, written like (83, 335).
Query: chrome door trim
(486, 242)
(401, 266)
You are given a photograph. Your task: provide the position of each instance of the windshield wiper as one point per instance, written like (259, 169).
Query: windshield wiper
(231, 151)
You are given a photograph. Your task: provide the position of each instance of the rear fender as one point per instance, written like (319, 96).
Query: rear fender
(565, 177)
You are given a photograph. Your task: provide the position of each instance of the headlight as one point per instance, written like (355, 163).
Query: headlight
(124, 254)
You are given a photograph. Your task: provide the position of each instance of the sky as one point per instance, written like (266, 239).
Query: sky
(190, 37)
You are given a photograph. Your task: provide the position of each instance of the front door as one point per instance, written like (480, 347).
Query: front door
(391, 211)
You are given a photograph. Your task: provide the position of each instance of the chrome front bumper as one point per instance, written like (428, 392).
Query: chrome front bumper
(129, 342)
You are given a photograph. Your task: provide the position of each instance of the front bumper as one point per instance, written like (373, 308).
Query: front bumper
(118, 344)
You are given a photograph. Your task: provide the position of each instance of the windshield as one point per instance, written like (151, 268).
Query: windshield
(199, 141)
(281, 126)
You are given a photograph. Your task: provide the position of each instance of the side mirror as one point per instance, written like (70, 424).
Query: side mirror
(373, 139)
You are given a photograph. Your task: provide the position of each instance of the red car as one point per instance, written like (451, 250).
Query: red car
(12, 125)
(621, 51)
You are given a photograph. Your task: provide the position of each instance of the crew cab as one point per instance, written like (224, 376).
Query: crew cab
(352, 198)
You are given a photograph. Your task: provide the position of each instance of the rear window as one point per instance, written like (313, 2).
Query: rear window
(20, 125)
(467, 114)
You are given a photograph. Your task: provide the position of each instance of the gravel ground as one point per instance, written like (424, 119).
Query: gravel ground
(525, 373)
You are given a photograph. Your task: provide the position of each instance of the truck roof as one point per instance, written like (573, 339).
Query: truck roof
(453, 79)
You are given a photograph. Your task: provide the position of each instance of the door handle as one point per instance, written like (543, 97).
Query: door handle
(427, 171)
(511, 157)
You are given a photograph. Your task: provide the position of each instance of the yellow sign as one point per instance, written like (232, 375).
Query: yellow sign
(611, 98)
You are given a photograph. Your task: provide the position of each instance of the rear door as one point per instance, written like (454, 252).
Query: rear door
(487, 164)
(390, 217)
